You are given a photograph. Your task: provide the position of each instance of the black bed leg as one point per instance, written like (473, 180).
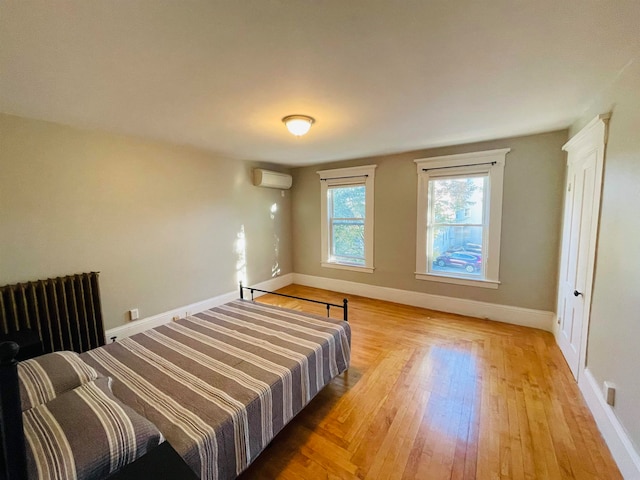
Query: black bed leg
(13, 456)
(241, 292)
(345, 309)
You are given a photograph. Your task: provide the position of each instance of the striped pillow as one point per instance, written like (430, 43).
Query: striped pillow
(86, 433)
(45, 377)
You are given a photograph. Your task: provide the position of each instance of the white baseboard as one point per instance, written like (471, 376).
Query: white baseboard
(138, 326)
(502, 313)
(614, 434)
(472, 308)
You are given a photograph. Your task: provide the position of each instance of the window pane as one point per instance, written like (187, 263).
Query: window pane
(348, 202)
(457, 250)
(458, 200)
(347, 241)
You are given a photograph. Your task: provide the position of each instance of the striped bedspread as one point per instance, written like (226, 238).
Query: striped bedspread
(221, 384)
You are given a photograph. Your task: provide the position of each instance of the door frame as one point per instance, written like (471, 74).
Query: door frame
(593, 137)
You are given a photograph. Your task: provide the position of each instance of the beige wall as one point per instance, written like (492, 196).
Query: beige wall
(159, 222)
(532, 209)
(613, 352)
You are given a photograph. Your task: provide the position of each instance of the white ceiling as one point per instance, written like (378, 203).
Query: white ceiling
(379, 76)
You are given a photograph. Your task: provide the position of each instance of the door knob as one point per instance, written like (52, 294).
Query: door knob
(576, 293)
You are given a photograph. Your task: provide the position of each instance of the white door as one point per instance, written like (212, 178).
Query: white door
(581, 213)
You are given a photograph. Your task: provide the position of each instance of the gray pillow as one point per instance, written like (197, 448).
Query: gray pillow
(43, 378)
(85, 433)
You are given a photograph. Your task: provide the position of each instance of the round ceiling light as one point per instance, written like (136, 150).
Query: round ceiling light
(298, 125)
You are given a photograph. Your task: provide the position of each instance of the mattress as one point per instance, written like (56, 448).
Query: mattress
(221, 384)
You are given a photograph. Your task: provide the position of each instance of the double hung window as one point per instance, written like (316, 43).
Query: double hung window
(459, 218)
(347, 218)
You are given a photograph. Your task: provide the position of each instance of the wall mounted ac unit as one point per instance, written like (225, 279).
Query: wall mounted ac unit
(270, 179)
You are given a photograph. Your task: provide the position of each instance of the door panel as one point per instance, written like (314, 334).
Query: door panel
(579, 215)
(573, 210)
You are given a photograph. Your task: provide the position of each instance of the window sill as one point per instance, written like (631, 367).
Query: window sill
(354, 268)
(458, 280)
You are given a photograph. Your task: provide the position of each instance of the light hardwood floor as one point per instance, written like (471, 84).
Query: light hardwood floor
(431, 395)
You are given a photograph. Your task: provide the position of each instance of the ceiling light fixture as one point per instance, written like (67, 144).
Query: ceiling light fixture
(298, 125)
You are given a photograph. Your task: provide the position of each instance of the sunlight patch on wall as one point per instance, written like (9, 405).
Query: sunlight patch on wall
(241, 257)
(275, 268)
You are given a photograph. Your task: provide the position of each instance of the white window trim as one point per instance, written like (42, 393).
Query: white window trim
(491, 162)
(348, 176)
(469, 282)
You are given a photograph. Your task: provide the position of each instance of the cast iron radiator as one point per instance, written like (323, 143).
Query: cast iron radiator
(64, 312)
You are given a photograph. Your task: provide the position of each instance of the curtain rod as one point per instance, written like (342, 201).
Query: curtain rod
(458, 166)
(340, 178)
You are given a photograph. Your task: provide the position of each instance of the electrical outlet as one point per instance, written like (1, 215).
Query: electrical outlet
(134, 314)
(610, 393)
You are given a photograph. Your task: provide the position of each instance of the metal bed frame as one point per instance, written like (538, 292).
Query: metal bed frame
(13, 457)
(344, 306)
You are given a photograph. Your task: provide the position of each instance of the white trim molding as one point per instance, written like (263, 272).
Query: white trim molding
(353, 268)
(598, 124)
(138, 326)
(469, 282)
(471, 158)
(491, 311)
(615, 436)
(347, 173)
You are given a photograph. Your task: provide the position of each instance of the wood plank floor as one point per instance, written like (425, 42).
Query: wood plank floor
(431, 395)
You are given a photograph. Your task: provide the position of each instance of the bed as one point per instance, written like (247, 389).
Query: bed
(218, 386)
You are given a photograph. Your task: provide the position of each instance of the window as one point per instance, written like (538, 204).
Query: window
(456, 224)
(459, 218)
(346, 224)
(347, 218)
